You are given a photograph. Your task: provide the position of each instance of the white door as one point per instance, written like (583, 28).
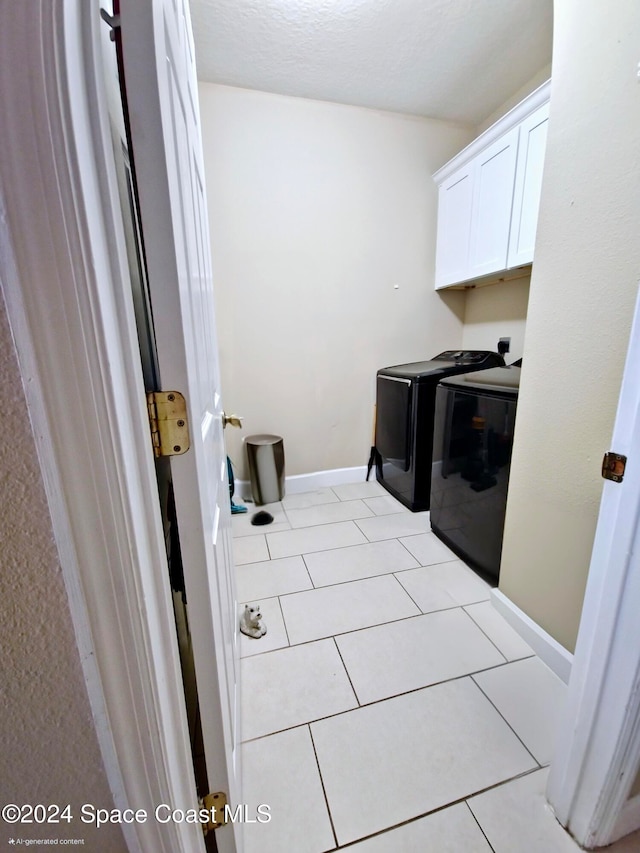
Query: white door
(597, 757)
(162, 100)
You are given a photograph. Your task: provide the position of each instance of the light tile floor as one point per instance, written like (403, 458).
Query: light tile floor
(389, 707)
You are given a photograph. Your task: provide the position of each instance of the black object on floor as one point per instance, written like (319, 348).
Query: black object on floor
(262, 517)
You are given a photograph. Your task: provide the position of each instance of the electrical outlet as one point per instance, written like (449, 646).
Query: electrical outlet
(504, 345)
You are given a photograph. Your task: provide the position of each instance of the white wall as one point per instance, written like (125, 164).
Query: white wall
(583, 290)
(49, 752)
(497, 311)
(317, 210)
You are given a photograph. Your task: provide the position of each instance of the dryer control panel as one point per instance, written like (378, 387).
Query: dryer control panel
(467, 356)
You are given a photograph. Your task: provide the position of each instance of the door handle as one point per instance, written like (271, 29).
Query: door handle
(234, 420)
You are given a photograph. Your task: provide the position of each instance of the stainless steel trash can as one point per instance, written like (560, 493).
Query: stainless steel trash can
(265, 454)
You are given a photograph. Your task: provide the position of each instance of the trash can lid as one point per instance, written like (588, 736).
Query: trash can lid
(263, 439)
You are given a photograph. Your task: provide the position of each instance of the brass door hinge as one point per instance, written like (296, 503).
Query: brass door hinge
(613, 466)
(216, 805)
(168, 423)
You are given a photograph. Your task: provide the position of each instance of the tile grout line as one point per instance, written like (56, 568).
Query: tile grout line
(339, 521)
(358, 630)
(335, 642)
(452, 559)
(266, 542)
(498, 711)
(478, 625)
(324, 791)
(413, 599)
(389, 698)
(437, 809)
(313, 586)
(482, 631)
(466, 802)
(380, 574)
(409, 552)
(351, 580)
(284, 622)
(382, 624)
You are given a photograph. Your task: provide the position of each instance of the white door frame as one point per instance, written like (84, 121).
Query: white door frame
(598, 748)
(65, 280)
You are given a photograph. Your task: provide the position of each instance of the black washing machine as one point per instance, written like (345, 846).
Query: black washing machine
(475, 417)
(405, 404)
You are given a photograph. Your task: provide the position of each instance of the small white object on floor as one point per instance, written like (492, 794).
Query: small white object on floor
(251, 622)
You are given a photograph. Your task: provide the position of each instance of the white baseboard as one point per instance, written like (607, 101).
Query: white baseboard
(556, 657)
(299, 483)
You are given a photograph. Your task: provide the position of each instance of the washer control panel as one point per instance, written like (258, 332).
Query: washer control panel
(464, 356)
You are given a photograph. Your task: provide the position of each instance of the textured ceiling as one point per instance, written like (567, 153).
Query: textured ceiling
(448, 59)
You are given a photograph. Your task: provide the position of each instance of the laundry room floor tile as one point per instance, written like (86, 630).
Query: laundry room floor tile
(401, 656)
(428, 549)
(452, 830)
(293, 686)
(456, 703)
(276, 636)
(320, 538)
(327, 513)
(268, 578)
(495, 626)
(280, 771)
(249, 549)
(242, 526)
(352, 491)
(385, 505)
(530, 697)
(307, 499)
(414, 753)
(516, 816)
(393, 526)
(360, 561)
(426, 585)
(335, 609)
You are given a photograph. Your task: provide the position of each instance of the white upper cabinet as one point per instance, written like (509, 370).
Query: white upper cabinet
(454, 212)
(494, 175)
(488, 197)
(526, 197)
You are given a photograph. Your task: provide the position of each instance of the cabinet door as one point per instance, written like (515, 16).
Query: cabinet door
(454, 227)
(494, 174)
(526, 200)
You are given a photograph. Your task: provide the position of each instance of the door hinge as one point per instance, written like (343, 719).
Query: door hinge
(168, 423)
(216, 805)
(613, 466)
